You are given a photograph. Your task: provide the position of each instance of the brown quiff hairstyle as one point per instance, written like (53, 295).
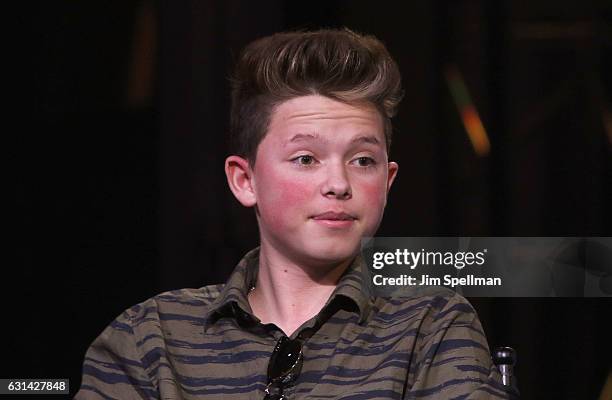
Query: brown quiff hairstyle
(339, 64)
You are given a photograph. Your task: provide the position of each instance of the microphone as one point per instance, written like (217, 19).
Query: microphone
(505, 360)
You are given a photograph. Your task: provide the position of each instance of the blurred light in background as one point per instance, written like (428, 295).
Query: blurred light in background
(469, 115)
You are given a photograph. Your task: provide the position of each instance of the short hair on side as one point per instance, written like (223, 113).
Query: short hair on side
(336, 63)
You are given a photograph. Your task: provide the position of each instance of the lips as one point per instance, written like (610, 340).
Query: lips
(335, 220)
(334, 216)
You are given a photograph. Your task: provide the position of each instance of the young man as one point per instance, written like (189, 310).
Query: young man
(311, 121)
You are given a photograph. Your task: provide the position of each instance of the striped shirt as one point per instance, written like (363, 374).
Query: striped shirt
(207, 344)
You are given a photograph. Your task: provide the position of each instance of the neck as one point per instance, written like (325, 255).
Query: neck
(288, 293)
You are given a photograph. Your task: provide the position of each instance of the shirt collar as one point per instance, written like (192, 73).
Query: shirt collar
(243, 278)
(351, 286)
(236, 289)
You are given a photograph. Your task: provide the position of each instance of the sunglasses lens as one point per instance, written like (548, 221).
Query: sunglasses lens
(285, 359)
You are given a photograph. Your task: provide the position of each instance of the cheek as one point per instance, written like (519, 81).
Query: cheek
(374, 193)
(283, 198)
(373, 198)
(289, 193)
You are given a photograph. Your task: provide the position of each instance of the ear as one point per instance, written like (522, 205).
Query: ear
(240, 180)
(392, 173)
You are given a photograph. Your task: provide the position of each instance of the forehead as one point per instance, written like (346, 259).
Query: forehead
(324, 117)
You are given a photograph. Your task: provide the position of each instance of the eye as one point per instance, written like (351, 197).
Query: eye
(304, 160)
(365, 161)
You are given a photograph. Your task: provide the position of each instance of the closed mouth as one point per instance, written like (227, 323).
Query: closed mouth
(335, 216)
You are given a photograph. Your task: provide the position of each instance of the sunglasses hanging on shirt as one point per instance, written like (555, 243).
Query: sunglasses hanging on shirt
(284, 367)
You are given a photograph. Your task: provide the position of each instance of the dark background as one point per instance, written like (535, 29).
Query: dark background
(118, 160)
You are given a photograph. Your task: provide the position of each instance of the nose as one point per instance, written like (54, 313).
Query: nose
(336, 183)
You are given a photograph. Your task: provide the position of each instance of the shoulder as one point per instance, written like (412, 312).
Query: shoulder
(427, 312)
(170, 317)
(434, 302)
(182, 305)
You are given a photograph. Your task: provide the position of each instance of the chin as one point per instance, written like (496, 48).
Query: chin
(326, 251)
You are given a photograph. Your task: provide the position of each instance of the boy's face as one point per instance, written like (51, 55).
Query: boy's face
(321, 179)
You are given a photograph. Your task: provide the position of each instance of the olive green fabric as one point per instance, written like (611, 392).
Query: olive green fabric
(206, 344)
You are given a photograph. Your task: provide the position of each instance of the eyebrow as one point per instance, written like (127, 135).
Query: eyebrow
(303, 137)
(366, 139)
(300, 137)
